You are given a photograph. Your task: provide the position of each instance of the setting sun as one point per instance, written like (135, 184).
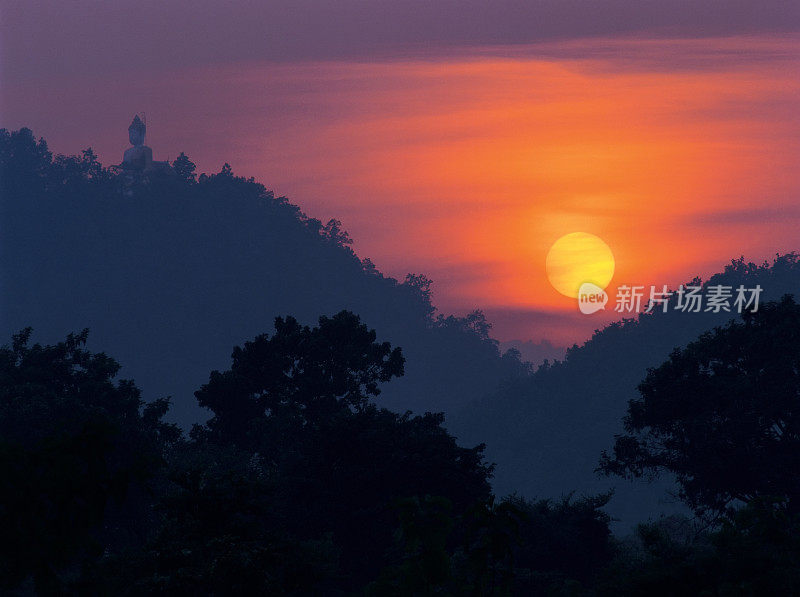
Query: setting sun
(577, 258)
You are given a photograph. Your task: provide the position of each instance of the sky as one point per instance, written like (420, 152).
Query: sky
(455, 139)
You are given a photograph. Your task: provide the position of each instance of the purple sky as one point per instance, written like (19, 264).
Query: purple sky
(42, 39)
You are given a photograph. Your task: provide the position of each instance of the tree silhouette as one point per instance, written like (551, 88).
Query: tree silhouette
(723, 414)
(755, 552)
(71, 441)
(299, 375)
(184, 168)
(299, 403)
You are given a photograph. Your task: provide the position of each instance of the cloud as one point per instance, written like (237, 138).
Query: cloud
(760, 216)
(45, 38)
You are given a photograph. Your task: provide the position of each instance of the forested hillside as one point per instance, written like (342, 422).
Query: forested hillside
(170, 272)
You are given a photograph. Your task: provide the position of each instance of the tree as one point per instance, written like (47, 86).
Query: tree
(425, 526)
(24, 163)
(222, 532)
(333, 232)
(299, 404)
(71, 441)
(755, 552)
(184, 168)
(723, 415)
(562, 543)
(484, 562)
(419, 287)
(299, 375)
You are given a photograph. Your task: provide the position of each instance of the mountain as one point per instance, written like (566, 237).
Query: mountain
(535, 353)
(170, 271)
(546, 431)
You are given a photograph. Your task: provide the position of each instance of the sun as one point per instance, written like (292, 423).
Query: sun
(577, 258)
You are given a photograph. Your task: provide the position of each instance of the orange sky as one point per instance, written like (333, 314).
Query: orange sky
(680, 154)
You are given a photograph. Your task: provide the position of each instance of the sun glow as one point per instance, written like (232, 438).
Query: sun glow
(577, 258)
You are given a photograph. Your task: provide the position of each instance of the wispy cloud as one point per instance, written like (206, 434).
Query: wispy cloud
(51, 37)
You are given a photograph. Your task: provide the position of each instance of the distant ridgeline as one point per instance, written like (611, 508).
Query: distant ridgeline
(170, 271)
(547, 430)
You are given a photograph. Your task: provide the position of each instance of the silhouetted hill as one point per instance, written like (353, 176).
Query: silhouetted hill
(170, 272)
(546, 432)
(535, 353)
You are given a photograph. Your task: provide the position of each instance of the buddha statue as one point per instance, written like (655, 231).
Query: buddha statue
(140, 156)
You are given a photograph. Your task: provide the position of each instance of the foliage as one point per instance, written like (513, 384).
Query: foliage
(71, 441)
(563, 542)
(511, 546)
(220, 534)
(425, 526)
(723, 414)
(184, 168)
(299, 401)
(300, 376)
(755, 552)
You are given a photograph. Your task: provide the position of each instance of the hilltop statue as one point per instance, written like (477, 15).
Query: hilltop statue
(140, 156)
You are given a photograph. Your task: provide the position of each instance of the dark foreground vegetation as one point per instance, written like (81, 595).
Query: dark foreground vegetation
(300, 484)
